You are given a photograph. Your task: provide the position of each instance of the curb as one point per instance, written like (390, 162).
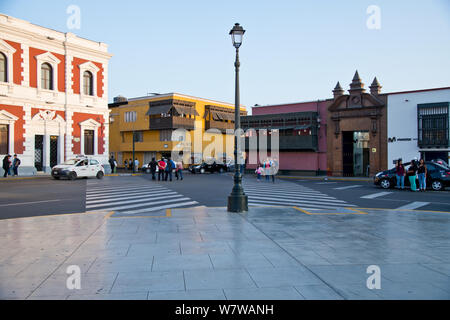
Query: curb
(50, 177)
(326, 179)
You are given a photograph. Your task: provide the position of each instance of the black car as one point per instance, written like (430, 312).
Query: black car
(438, 177)
(208, 167)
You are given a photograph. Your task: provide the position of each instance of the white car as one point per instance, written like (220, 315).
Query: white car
(78, 168)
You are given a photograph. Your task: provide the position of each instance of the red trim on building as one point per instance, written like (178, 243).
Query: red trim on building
(76, 76)
(19, 131)
(76, 133)
(60, 83)
(33, 65)
(17, 62)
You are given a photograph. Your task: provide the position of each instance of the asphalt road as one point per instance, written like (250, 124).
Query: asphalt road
(45, 196)
(367, 195)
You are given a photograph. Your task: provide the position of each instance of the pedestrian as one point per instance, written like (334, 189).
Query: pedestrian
(136, 165)
(153, 164)
(112, 163)
(259, 171)
(411, 173)
(115, 166)
(130, 164)
(15, 165)
(125, 164)
(6, 165)
(267, 169)
(161, 170)
(274, 168)
(179, 170)
(422, 172)
(400, 172)
(169, 168)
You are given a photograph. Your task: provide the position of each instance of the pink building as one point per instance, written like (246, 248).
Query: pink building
(303, 135)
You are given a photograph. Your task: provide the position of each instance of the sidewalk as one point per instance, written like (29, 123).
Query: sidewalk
(208, 253)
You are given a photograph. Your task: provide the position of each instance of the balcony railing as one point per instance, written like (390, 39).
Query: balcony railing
(222, 126)
(171, 123)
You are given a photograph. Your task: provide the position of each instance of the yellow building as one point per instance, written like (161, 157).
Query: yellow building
(158, 122)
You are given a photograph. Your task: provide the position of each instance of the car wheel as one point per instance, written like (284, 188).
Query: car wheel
(221, 170)
(202, 170)
(385, 183)
(436, 185)
(100, 175)
(56, 178)
(72, 176)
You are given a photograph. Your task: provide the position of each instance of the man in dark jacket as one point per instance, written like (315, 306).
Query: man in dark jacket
(6, 165)
(15, 165)
(153, 164)
(169, 169)
(112, 164)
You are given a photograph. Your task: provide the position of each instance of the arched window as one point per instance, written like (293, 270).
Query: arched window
(3, 68)
(46, 76)
(88, 83)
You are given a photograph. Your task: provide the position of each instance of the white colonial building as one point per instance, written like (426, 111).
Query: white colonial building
(418, 125)
(53, 95)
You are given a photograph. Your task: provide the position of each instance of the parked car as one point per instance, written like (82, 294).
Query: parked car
(438, 177)
(208, 167)
(146, 168)
(82, 167)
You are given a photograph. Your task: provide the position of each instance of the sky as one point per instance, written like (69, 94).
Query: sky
(292, 50)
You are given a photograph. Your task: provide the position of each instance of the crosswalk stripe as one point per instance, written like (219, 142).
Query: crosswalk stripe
(297, 198)
(294, 201)
(143, 205)
(375, 195)
(297, 203)
(139, 195)
(348, 187)
(297, 194)
(124, 191)
(175, 205)
(116, 188)
(131, 199)
(413, 205)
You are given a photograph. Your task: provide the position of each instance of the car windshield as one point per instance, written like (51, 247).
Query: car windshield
(71, 162)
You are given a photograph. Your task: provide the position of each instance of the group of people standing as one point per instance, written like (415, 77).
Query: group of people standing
(9, 165)
(165, 169)
(268, 169)
(131, 165)
(416, 169)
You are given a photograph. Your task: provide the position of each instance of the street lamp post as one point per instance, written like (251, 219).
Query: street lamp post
(237, 200)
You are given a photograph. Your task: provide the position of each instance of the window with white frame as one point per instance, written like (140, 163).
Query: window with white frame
(130, 116)
(3, 68)
(88, 85)
(88, 78)
(47, 68)
(46, 76)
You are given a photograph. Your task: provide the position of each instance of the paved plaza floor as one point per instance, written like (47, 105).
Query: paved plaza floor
(207, 253)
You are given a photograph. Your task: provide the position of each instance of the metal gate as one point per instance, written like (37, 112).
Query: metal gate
(53, 151)
(38, 152)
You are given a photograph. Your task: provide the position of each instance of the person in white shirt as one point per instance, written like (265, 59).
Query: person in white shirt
(136, 165)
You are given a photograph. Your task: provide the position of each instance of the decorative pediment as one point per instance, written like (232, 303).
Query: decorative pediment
(90, 123)
(6, 116)
(90, 66)
(47, 115)
(351, 102)
(47, 57)
(5, 47)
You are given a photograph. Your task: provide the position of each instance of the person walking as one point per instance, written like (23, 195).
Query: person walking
(136, 165)
(125, 164)
(258, 172)
(161, 170)
(153, 164)
(6, 165)
(15, 165)
(179, 170)
(112, 163)
(411, 173)
(422, 173)
(400, 172)
(130, 164)
(169, 168)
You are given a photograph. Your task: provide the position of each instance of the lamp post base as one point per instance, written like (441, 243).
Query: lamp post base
(238, 203)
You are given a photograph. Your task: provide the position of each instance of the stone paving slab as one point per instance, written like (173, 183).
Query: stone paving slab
(207, 253)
